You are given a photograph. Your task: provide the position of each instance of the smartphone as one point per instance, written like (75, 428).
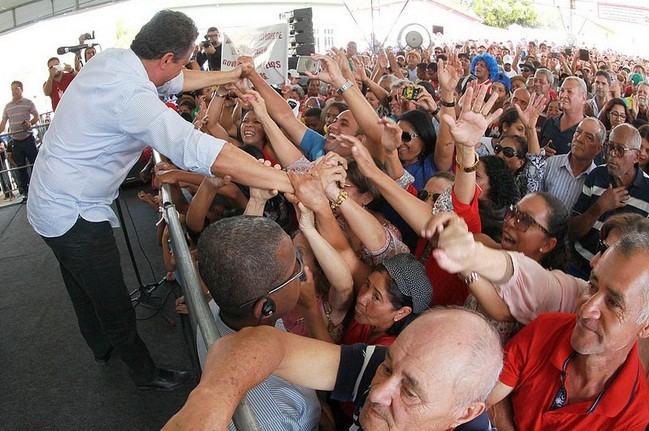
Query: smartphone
(410, 93)
(306, 63)
(584, 54)
(554, 55)
(568, 52)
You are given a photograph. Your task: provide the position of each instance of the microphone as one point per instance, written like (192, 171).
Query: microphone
(76, 48)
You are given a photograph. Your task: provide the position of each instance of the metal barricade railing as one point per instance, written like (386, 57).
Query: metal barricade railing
(199, 311)
(9, 183)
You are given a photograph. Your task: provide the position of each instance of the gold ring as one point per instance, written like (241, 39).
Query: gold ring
(476, 111)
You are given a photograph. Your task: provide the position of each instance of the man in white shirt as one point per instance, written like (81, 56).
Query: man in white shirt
(84, 159)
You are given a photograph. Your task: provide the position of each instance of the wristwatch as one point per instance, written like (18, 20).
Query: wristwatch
(346, 86)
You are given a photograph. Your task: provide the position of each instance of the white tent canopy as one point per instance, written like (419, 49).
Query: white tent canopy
(18, 13)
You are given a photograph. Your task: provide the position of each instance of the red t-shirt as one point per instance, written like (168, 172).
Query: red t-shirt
(533, 362)
(448, 289)
(58, 88)
(357, 333)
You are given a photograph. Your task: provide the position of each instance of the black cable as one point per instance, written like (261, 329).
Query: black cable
(137, 236)
(158, 309)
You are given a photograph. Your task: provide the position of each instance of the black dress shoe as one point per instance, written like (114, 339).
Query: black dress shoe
(166, 380)
(103, 359)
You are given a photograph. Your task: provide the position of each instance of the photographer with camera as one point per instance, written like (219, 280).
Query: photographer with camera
(210, 50)
(61, 75)
(88, 53)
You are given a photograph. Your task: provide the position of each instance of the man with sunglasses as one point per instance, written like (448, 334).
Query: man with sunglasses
(254, 273)
(619, 186)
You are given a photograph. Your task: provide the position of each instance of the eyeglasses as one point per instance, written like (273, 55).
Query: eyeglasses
(408, 136)
(601, 246)
(509, 152)
(300, 274)
(424, 194)
(523, 221)
(617, 115)
(617, 149)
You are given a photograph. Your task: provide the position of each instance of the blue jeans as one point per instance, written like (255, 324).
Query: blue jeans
(90, 264)
(24, 151)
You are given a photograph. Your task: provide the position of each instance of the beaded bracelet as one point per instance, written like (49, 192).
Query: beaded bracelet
(341, 198)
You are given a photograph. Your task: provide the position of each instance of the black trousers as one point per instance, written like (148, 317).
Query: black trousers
(90, 264)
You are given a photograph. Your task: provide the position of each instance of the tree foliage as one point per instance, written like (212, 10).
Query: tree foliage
(503, 13)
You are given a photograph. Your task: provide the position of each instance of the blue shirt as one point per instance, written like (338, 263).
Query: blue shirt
(107, 116)
(312, 144)
(422, 171)
(551, 131)
(277, 404)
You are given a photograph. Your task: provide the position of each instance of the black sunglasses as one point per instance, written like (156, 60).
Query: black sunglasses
(523, 221)
(601, 246)
(407, 136)
(509, 152)
(424, 194)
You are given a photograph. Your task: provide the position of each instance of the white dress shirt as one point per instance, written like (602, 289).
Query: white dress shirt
(107, 116)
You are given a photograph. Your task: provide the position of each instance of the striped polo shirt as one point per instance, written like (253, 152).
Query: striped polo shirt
(559, 180)
(596, 183)
(16, 112)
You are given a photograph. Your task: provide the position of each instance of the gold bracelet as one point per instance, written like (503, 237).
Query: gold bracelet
(341, 198)
(469, 169)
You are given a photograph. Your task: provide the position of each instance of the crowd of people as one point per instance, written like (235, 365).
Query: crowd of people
(401, 218)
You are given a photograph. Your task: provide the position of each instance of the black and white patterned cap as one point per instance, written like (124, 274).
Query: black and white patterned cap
(411, 279)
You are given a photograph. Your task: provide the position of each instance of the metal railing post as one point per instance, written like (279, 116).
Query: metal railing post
(243, 418)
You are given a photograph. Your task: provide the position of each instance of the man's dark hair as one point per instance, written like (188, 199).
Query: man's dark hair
(168, 31)
(52, 59)
(237, 259)
(18, 83)
(212, 29)
(605, 74)
(313, 112)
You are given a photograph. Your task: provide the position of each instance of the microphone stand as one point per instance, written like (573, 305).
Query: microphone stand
(145, 299)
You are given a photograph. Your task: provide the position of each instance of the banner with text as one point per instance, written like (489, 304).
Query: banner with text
(268, 45)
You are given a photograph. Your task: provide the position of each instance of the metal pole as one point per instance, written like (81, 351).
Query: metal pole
(243, 418)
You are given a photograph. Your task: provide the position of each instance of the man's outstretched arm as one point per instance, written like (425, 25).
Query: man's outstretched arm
(240, 361)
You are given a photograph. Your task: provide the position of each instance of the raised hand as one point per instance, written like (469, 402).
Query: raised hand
(257, 102)
(361, 154)
(456, 247)
(359, 69)
(425, 100)
(309, 191)
(382, 60)
(341, 59)
(391, 136)
(449, 73)
(329, 71)
(531, 114)
(474, 118)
